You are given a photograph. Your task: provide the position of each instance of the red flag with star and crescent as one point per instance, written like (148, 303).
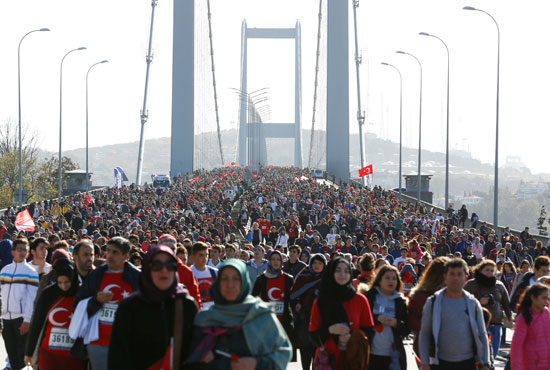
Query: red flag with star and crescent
(23, 221)
(365, 171)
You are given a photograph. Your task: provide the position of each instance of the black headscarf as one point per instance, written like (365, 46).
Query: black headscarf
(64, 267)
(147, 290)
(332, 295)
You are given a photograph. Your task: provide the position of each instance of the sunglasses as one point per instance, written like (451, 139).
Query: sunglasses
(171, 266)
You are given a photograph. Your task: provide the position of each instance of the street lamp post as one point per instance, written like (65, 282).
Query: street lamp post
(419, 127)
(61, 119)
(87, 73)
(400, 126)
(19, 103)
(447, 143)
(495, 209)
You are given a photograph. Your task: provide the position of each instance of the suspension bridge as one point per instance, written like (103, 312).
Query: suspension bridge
(195, 102)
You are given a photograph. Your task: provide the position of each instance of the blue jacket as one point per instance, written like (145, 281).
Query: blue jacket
(91, 285)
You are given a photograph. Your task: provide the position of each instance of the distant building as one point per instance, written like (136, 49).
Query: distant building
(514, 165)
(531, 189)
(470, 200)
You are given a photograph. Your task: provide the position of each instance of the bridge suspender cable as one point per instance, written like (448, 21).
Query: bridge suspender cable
(214, 82)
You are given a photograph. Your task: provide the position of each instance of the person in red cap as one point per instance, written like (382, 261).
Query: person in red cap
(184, 272)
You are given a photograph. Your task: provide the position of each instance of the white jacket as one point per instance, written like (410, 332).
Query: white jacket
(19, 286)
(81, 326)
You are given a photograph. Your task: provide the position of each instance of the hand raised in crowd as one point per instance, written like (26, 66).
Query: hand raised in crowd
(338, 329)
(104, 297)
(244, 363)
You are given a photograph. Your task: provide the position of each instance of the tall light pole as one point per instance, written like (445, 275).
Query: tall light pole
(495, 209)
(400, 125)
(61, 118)
(144, 112)
(360, 114)
(87, 73)
(19, 103)
(447, 143)
(419, 127)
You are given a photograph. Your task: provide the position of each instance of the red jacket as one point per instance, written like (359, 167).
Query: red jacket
(188, 279)
(359, 316)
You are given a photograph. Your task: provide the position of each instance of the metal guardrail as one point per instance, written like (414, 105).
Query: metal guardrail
(3, 211)
(500, 230)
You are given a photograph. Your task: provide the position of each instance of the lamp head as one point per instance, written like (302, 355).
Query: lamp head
(43, 29)
(81, 48)
(424, 34)
(384, 64)
(104, 61)
(469, 8)
(400, 52)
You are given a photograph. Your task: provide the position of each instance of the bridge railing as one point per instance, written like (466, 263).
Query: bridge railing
(3, 211)
(500, 230)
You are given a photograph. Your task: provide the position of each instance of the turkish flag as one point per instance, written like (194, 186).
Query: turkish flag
(365, 171)
(23, 221)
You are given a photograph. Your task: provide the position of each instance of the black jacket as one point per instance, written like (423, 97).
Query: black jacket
(260, 290)
(39, 318)
(399, 332)
(516, 294)
(92, 283)
(294, 269)
(142, 331)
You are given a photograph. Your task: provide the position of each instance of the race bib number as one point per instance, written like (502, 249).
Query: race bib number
(107, 315)
(60, 339)
(279, 307)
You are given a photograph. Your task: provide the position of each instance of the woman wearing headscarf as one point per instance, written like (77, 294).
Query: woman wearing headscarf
(302, 294)
(274, 286)
(49, 330)
(338, 311)
(239, 330)
(148, 318)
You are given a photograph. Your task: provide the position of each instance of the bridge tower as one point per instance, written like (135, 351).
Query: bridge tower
(338, 90)
(183, 100)
(252, 135)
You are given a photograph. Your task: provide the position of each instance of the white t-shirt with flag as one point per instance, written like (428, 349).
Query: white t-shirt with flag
(204, 281)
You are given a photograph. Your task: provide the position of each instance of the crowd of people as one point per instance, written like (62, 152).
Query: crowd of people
(226, 269)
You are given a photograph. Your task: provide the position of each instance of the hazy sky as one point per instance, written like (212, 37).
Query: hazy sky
(118, 31)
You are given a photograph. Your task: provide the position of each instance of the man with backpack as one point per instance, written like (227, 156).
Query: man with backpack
(453, 334)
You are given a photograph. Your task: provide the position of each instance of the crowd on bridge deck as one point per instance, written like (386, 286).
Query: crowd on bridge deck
(232, 269)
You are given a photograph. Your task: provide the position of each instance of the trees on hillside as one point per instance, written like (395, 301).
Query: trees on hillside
(39, 174)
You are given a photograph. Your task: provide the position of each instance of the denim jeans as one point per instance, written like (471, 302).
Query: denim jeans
(496, 332)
